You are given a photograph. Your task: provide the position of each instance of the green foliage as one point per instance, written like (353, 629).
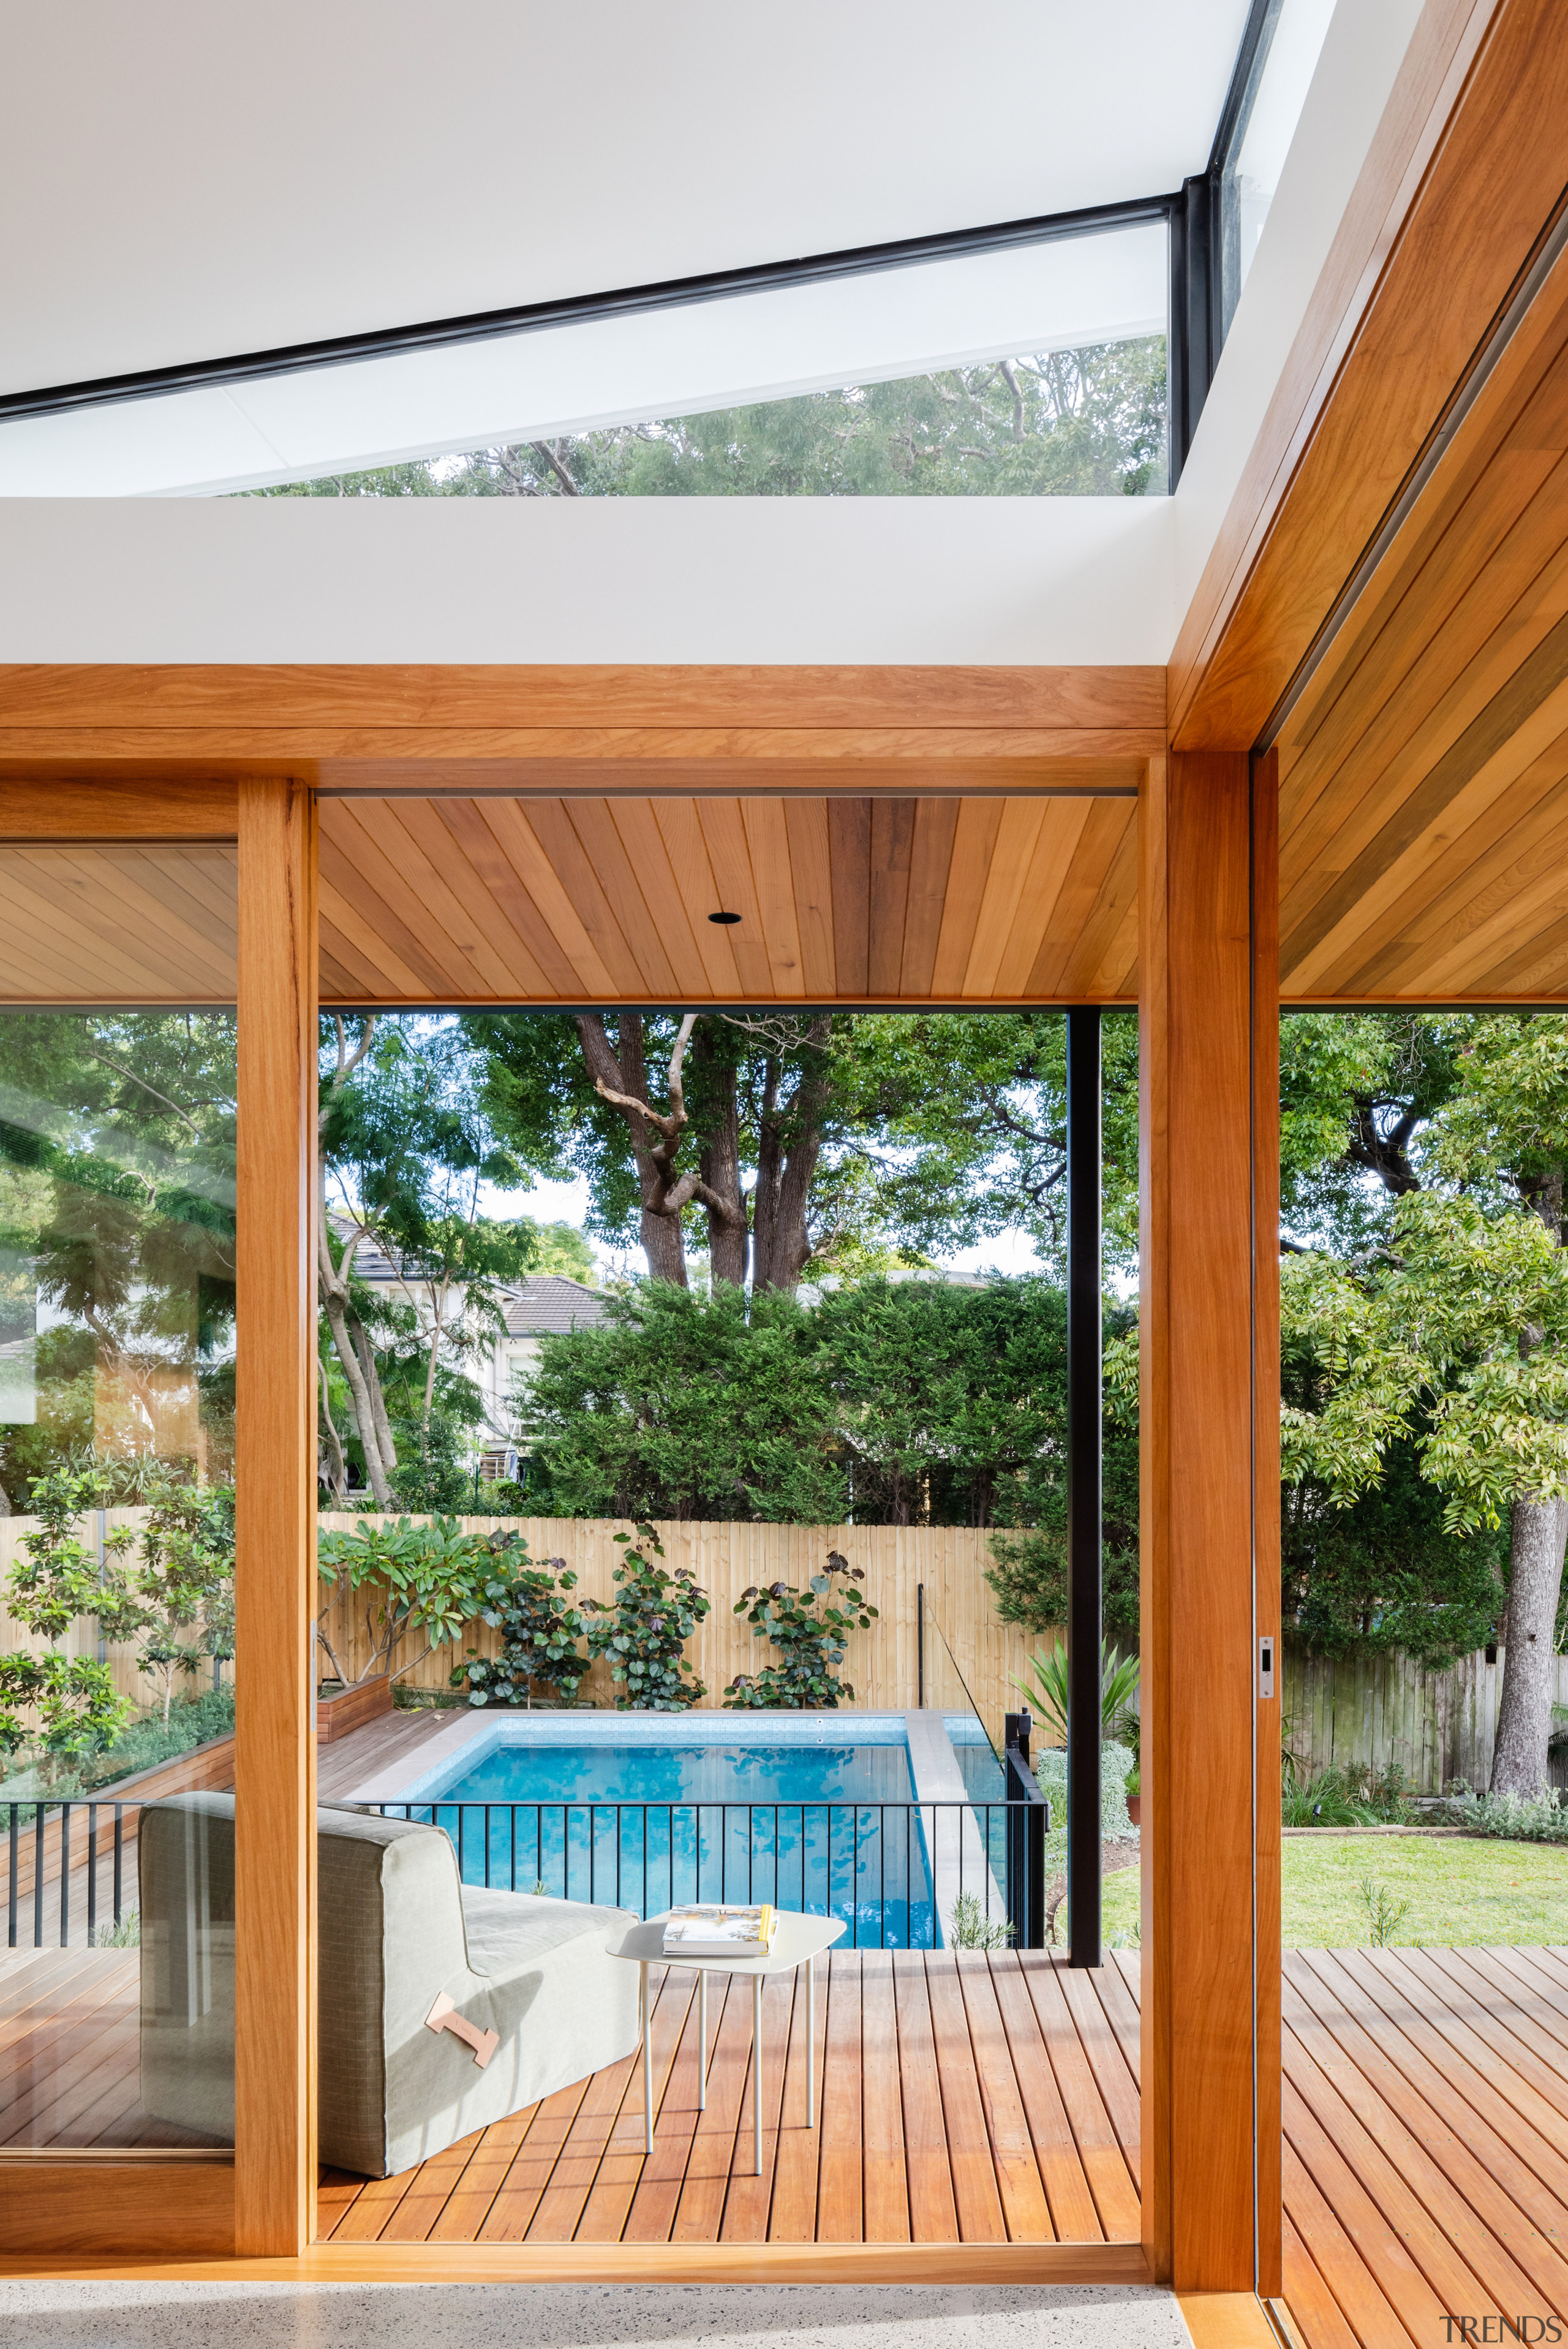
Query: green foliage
(143, 1746)
(432, 1476)
(1426, 1347)
(813, 1630)
(906, 1401)
(117, 1238)
(643, 1634)
(1356, 1796)
(66, 1704)
(1085, 423)
(1385, 1574)
(561, 1247)
(969, 1928)
(424, 1581)
(1385, 1915)
(1513, 1818)
(183, 1580)
(539, 1626)
(1046, 1689)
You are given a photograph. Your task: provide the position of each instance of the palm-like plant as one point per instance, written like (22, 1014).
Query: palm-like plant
(1046, 1690)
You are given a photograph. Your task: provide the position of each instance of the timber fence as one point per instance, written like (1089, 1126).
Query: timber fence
(1371, 1712)
(883, 1664)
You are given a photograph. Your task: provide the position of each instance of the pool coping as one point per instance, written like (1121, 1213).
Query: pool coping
(934, 1768)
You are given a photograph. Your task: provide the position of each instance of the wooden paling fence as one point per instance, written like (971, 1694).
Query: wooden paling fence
(1373, 1711)
(882, 1663)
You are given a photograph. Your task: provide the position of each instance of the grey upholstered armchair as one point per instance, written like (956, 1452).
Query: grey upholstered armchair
(403, 1942)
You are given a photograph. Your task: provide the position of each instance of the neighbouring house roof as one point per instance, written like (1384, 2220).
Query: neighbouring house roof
(548, 1304)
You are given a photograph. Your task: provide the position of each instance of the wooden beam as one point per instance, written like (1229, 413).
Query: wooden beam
(128, 810)
(78, 2207)
(1204, 1129)
(484, 697)
(1454, 198)
(623, 2264)
(275, 1476)
(1266, 1602)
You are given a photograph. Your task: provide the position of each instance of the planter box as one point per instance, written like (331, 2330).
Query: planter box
(345, 1709)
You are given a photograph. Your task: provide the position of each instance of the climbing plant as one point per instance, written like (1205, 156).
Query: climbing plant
(643, 1631)
(541, 1629)
(812, 1628)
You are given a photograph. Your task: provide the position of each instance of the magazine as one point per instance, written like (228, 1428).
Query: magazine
(718, 1933)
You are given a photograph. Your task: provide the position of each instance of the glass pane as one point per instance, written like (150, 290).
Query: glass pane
(116, 1427)
(1280, 76)
(787, 361)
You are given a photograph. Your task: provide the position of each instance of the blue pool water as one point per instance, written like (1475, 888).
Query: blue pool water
(643, 1813)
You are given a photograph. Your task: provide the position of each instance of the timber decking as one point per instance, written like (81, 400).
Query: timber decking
(965, 2098)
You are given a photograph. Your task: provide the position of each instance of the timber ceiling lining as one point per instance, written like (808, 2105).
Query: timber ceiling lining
(1424, 773)
(840, 897)
(112, 922)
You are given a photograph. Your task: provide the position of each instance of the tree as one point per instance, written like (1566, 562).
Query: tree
(870, 1138)
(405, 1156)
(1456, 1339)
(1084, 423)
(69, 1702)
(117, 1238)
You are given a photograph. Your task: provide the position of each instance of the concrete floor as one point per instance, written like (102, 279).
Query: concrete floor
(35, 2315)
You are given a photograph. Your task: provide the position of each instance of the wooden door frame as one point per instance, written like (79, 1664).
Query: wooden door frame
(260, 2207)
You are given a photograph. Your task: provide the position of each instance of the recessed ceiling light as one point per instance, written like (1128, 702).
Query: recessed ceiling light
(724, 917)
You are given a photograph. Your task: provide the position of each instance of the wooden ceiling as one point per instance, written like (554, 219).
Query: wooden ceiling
(1424, 770)
(103, 923)
(892, 898)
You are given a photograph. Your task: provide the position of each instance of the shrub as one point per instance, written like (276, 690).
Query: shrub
(428, 1579)
(646, 1629)
(1046, 1689)
(969, 1928)
(812, 1631)
(57, 1581)
(1518, 1818)
(539, 1626)
(1353, 1797)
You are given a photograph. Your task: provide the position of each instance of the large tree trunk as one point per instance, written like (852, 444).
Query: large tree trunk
(728, 1232)
(622, 1078)
(1539, 1531)
(789, 1144)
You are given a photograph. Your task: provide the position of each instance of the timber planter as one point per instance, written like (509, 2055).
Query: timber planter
(339, 1709)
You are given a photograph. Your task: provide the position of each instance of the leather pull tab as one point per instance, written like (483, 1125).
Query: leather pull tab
(444, 2016)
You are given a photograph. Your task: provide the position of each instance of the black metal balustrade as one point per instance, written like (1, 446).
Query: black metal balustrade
(888, 1869)
(64, 1870)
(893, 1871)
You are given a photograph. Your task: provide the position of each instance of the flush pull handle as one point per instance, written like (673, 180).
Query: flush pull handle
(444, 2016)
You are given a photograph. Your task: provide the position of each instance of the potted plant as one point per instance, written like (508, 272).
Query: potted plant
(418, 1580)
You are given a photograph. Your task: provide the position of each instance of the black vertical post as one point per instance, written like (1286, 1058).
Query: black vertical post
(1084, 1596)
(920, 1644)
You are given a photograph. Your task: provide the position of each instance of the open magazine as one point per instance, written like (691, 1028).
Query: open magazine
(718, 1933)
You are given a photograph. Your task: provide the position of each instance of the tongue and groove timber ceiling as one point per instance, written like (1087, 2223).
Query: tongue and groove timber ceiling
(1424, 769)
(891, 898)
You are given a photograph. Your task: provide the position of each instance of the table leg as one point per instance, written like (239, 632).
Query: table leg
(702, 2040)
(647, 2064)
(756, 2069)
(810, 2043)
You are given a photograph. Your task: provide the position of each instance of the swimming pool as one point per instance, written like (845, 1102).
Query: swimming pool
(828, 1815)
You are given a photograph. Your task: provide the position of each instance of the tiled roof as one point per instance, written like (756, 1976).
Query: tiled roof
(547, 1304)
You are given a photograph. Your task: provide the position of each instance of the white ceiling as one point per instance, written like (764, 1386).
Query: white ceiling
(191, 179)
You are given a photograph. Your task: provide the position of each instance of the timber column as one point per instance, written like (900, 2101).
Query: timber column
(1210, 1519)
(274, 1527)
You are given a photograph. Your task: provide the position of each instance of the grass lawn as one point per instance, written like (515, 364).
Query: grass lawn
(1460, 1889)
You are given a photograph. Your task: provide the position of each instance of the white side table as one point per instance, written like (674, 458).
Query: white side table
(797, 1942)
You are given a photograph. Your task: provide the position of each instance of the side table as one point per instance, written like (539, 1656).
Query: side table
(797, 1942)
